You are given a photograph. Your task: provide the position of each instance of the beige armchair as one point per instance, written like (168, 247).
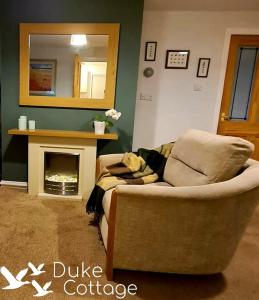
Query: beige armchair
(190, 223)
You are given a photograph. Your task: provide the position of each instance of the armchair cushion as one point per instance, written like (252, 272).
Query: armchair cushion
(200, 157)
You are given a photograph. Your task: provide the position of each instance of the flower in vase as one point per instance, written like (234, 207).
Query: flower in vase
(112, 114)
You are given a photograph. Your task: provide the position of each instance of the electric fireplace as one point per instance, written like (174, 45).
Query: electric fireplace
(61, 173)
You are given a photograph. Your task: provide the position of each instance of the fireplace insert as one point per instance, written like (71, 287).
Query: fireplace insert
(61, 173)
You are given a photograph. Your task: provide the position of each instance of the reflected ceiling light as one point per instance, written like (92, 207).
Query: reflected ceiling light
(78, 40)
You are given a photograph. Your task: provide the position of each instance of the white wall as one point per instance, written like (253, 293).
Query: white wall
(175, 106)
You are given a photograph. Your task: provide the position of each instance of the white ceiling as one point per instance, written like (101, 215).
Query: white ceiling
(214, 5)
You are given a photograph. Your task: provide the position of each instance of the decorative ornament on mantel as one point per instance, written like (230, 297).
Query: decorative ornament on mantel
(102, 122)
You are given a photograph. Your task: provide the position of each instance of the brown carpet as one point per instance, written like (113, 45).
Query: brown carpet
(34, 230)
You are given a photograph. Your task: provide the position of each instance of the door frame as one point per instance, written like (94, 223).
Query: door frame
(223, 67)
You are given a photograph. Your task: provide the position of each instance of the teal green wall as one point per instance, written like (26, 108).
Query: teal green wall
(127, 13)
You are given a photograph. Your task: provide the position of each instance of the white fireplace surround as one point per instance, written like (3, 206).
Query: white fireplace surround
(50, 140)
(86, 148)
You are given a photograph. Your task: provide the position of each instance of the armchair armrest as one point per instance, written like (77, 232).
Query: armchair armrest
(240, 184)
(107, 160)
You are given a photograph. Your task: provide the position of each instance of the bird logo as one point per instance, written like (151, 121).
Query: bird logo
(14, 282)
(17, 282)
(36, 271)
(42, 291)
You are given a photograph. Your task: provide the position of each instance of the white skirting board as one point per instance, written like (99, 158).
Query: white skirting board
(14, 183)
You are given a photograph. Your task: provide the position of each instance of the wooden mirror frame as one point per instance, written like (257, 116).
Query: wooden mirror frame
(112, 30)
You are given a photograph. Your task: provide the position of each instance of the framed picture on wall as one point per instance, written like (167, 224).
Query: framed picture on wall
(177, 59)
(43, 77)
(203, 67)
(150, 51)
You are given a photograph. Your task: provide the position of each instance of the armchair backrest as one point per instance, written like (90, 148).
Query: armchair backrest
(200, 157)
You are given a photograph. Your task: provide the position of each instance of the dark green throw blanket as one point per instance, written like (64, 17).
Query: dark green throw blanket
(144, 166)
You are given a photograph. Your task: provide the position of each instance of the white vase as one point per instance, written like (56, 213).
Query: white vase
(99, 127)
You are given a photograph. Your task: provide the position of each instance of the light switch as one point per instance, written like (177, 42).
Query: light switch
(197, 87)
(145, 97)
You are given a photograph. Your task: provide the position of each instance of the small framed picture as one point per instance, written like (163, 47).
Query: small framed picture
(150, 51)
(203, 67)
(43, 77)
(177, 59)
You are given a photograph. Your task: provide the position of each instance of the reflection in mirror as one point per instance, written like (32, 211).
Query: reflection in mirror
(68, 65)
(92, 79)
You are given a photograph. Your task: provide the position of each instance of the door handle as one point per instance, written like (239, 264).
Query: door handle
(224, 117)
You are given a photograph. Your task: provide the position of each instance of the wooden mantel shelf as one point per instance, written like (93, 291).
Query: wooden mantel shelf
(64, 134)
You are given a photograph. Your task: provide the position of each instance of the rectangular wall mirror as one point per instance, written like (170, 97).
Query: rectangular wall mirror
(68, 65)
